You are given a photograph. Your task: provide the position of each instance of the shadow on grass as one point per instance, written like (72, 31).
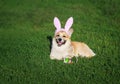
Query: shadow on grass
(50, 40)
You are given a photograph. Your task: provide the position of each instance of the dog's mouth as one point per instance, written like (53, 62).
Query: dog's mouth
(60, 42)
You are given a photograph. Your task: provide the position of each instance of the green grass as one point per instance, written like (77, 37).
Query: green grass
(24, 47)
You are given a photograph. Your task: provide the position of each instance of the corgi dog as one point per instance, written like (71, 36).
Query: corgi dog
(63, 47)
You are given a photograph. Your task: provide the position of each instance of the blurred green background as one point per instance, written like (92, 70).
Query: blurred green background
(26, 25)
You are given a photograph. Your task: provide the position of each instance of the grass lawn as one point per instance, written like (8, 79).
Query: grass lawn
(25, 26)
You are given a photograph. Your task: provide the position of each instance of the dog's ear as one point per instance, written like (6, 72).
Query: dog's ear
(69, 23)
(57, 23)
(70, 31)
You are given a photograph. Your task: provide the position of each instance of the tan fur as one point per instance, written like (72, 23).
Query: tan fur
(69, 49)
(81, 49)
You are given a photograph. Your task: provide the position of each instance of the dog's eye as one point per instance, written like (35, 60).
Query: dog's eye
(64, 36)
(57, 35)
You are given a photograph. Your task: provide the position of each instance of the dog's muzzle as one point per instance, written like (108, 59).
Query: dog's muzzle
(60, 41)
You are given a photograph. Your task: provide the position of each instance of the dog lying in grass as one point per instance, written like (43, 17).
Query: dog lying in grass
(63, 47)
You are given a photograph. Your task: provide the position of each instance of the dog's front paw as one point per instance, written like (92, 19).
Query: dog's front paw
(70, 61)
(52, 58)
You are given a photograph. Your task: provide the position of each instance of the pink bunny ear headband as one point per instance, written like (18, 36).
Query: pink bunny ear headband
(68, 25)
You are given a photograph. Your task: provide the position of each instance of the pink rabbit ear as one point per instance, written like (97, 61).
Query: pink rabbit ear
(57, 23)
(69, 23)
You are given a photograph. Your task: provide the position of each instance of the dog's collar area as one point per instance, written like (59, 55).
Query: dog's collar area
(60, 43)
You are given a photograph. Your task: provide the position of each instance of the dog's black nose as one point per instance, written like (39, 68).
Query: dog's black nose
(59, 39)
